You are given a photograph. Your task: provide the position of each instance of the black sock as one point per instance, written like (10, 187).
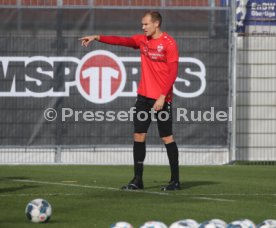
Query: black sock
(172, 152)
(139, 154)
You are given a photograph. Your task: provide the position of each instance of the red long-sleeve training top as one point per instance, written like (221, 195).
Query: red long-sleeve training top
(159, 62)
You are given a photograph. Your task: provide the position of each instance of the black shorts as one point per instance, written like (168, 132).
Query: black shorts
(144, 114)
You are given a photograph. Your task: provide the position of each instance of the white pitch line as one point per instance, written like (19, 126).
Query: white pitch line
(88, 186)
(40, 194)
(111, 189)
(213, 199)
(195, 196)
(229, 194)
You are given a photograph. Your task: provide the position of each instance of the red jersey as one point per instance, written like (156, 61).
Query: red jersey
(155, 56)
(159, 62)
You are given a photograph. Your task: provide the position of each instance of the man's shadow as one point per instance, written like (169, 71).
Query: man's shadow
(185, 184)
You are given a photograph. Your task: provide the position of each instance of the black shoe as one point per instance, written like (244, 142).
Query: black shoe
(135, 184)
(173, 185)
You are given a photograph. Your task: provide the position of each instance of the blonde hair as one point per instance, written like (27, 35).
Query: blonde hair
(155, 16)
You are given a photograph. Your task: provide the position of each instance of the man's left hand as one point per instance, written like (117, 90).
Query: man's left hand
(159, 103)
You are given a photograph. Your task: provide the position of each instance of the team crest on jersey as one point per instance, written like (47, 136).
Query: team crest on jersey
(146, 49)
(160, 47)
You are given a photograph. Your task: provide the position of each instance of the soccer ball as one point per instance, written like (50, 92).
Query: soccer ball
(207, 224)
(153, 224)
(38, 210)
(214, 223)
(219, 223)
(187, 223)
(243, 223)
(269, 223)
(121, 225)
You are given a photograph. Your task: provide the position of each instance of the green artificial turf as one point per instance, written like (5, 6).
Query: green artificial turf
(90, 196)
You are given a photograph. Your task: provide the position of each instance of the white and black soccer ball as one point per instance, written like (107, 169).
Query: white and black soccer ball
(154, 224)
(38, 211)
(242, 223)
(213, 223)
(207, 224)
(268, 223)
(186, 223)
(121, 224)
(219, 223)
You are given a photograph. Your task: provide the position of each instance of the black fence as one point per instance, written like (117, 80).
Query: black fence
(41, 60)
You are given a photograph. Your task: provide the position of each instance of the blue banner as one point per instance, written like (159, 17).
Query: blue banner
(255, 12)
